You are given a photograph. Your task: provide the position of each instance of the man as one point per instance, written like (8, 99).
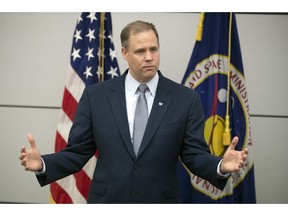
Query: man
(105, 122)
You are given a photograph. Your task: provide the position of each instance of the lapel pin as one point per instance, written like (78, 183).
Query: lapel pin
(160, 104)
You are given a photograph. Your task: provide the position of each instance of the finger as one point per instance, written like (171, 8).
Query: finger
(23, 150)
(22, 155)
(244, 156)
(23, 163)
(31, 140)
(234, 143)
(245, 152)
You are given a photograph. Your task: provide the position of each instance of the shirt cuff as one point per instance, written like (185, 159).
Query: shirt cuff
(226, 175)
(43, 170)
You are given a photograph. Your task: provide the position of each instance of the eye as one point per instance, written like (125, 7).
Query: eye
(154, 49)
(141, 51)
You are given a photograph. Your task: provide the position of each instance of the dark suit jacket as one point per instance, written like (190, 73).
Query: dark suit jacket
(175, 128)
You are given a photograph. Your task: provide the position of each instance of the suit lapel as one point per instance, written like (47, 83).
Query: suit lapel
(118, 106)
(160, 105)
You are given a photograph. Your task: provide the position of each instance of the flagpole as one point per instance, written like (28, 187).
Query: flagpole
(200, 27)
(101, 56)
(226, 134)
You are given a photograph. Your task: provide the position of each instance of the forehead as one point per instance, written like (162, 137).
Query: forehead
(143, 38)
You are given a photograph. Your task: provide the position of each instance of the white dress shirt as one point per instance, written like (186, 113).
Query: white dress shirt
(132, 95)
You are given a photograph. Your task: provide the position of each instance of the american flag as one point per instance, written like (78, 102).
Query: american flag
(93, 59)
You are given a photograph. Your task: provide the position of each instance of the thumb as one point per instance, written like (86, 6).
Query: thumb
(234, 143)
(31, 140)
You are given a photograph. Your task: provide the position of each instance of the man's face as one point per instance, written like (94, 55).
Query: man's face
(142, 55)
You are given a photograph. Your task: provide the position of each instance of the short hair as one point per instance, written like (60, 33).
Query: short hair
(135, 28)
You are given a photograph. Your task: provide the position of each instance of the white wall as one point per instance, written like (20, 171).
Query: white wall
(34, 59)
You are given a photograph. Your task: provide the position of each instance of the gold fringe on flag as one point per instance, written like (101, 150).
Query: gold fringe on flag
(51, 200)
(226, 133)
(200, 27)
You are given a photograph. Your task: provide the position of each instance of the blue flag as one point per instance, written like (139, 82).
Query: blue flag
(216, 72)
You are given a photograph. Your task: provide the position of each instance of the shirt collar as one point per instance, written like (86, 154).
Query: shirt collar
(132, 84)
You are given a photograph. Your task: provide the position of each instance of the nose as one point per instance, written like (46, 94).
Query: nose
(149, 56)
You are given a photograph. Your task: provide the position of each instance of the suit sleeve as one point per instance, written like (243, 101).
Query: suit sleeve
(80, 147)
(195, 153)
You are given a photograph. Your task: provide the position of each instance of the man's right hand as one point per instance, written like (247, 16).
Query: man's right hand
(31, 158)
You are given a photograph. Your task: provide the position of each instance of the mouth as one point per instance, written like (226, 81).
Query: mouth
(149, 67)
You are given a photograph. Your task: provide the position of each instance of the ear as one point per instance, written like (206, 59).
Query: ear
(124, 53)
